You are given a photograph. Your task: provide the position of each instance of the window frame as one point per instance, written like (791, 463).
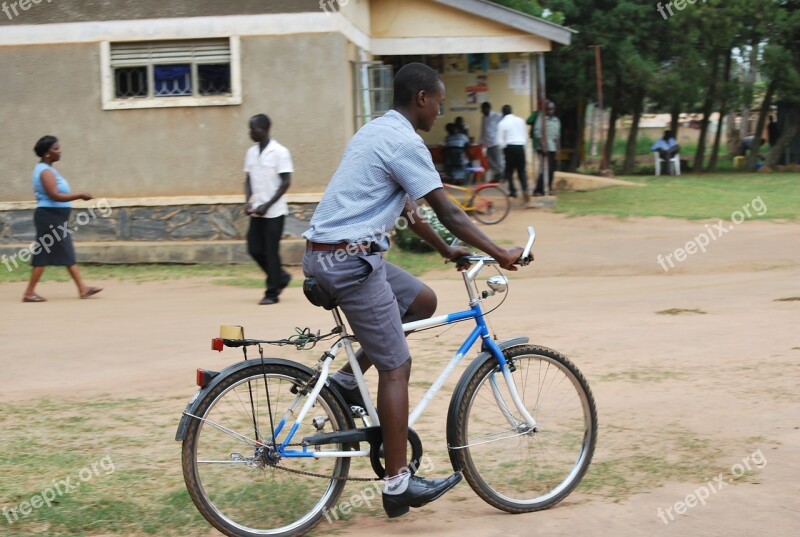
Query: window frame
(366, 92)
(111, 102)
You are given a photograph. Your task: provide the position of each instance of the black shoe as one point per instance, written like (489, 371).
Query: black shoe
(267, 300)
(420, 491)
(352, 396)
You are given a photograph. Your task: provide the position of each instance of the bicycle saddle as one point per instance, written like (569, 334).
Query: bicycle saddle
(317, 295)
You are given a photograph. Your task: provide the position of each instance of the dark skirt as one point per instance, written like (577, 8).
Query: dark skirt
(55, 245)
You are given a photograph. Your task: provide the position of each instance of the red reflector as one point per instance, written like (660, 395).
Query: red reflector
(204, 377)
(217, 344)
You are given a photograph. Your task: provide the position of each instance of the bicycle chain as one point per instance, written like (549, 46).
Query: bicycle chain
(322, 476)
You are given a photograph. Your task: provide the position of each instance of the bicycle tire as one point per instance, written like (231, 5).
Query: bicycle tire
(489, 204)
(246, 497)
(491, 469)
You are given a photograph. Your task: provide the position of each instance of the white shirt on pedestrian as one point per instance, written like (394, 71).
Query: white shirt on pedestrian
(264, 168)
(512, 130)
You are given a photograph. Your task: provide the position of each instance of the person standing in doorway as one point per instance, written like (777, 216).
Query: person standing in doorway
(512, 135)
(269, 169)
(494, 154)
(550, 147)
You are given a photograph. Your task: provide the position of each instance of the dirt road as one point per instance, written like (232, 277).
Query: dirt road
(683, 398)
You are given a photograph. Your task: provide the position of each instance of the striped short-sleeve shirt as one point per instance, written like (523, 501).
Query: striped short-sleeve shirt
(384, 162)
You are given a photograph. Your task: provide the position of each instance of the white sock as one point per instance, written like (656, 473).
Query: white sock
(397, 484)
(346, 380)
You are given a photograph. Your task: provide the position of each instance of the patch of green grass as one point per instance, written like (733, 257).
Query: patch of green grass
(642, 375)
(679, 311)
(416, 264)
(693, 197)
(650, 461)
(246, 276)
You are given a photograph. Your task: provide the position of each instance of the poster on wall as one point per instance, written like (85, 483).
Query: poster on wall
(477, 63)
(498, 61)
(519, 76)
(478, 93)
(455, 64)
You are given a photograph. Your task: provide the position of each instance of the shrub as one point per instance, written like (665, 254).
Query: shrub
(409, 241)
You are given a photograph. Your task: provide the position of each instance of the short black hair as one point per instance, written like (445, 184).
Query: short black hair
(451, 128)
(486, 105)
(413, 78)
(261, 121)
(506, 109)
(667, 134)
(44, 144)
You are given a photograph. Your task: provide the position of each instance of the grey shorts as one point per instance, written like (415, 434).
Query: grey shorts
(374, 295)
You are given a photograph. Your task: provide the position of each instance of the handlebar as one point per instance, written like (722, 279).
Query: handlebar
(523, 260)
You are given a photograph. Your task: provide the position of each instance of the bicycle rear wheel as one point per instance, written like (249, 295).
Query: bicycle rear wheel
(229, 473)
(490, 204)
(510, 466)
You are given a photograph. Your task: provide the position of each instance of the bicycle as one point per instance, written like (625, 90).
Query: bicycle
(521, 425)
(488, 203)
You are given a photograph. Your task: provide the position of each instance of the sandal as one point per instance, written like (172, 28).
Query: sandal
(34, 298)
(91, 291)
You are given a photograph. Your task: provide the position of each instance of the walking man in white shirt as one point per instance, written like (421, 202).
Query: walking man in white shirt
(494, 153)
(268, 166)
(512, 135)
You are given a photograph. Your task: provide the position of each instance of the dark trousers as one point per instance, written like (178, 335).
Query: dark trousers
(263, 245)
(551, 172)
(515, 161)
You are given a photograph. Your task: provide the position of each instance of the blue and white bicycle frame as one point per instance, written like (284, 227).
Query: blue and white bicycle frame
(481, 331)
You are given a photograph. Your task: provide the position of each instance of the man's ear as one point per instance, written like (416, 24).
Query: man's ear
(422, 98)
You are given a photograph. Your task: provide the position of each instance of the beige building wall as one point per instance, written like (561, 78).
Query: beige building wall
(423, 18)
(55, 89)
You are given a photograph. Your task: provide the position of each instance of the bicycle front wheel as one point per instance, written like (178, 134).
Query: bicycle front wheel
(490, 204)
(230, 471)
(507, 463)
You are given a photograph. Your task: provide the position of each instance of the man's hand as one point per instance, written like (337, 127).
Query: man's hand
(454, 253)
(509, 258)
(261, 210)
(248, 209)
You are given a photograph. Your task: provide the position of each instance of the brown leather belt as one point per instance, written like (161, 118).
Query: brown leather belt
(349, 247)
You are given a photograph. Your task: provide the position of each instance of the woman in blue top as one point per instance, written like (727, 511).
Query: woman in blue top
(53, 206)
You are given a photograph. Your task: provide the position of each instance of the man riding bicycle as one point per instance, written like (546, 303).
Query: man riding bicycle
(384, 169)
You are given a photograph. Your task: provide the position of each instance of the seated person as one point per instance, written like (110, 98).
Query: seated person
(666, 147)
(461, 126)
(747, 144)
(455, 149)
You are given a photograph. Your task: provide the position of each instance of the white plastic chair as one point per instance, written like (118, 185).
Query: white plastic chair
(676, 163)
